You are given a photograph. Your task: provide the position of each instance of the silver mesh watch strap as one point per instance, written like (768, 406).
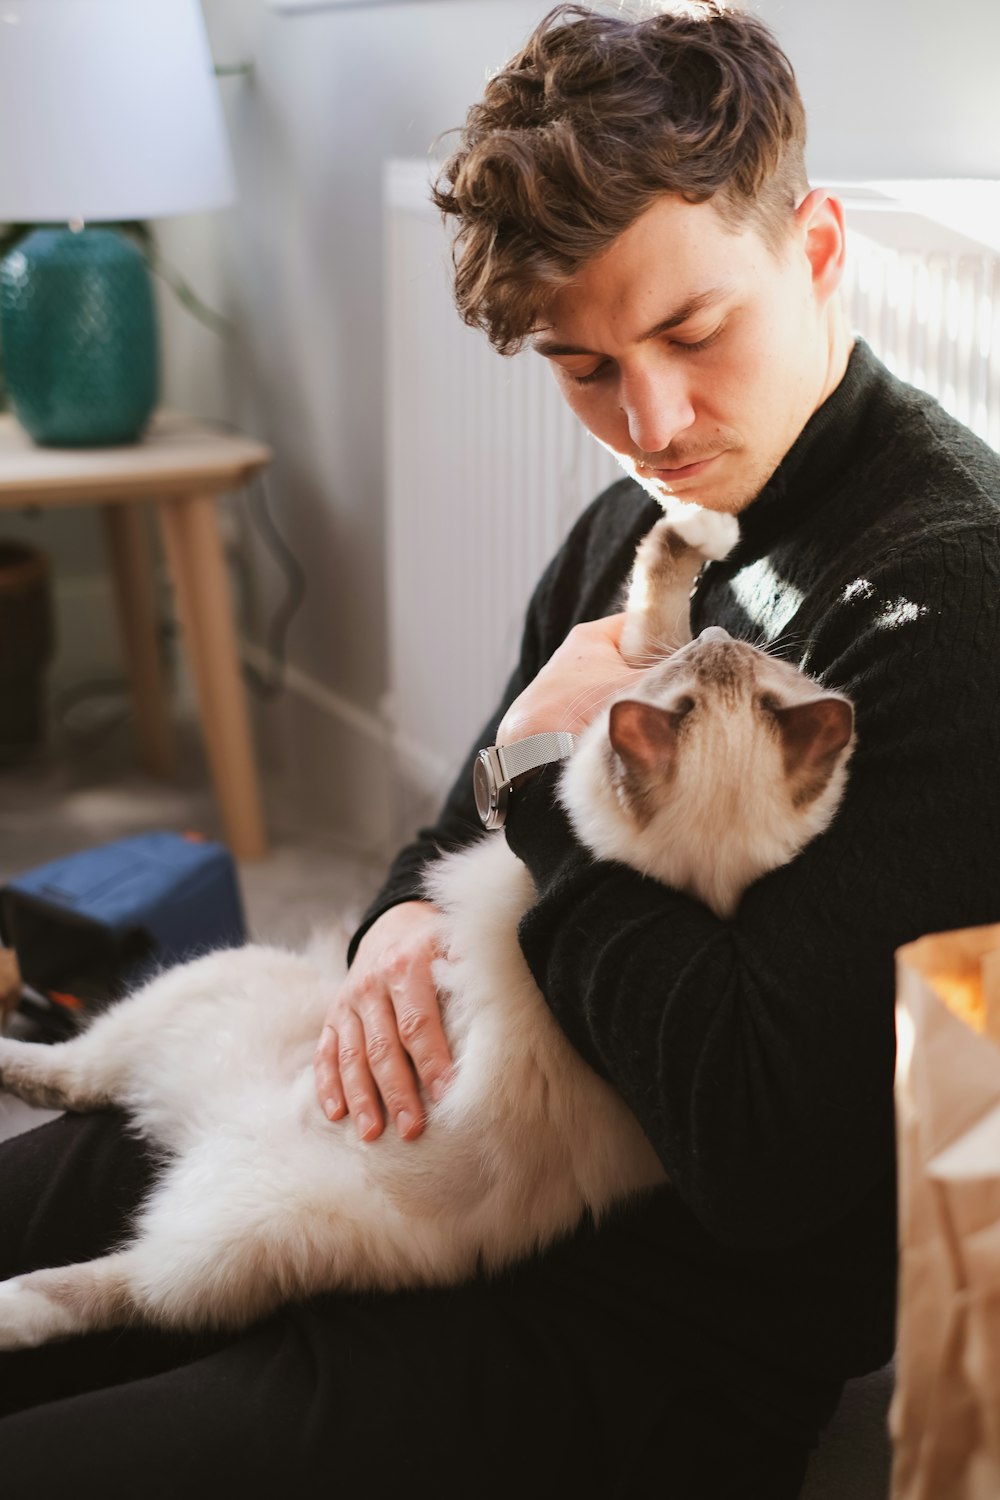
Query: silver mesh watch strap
(537, 750)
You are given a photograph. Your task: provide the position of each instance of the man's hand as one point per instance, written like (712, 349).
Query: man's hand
(382, 1040)
(576, 682)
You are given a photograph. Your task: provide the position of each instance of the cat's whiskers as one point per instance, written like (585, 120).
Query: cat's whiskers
(589, 701)
(785, 641)
(656, 650)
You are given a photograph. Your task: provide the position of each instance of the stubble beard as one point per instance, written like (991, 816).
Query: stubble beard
(729, 494)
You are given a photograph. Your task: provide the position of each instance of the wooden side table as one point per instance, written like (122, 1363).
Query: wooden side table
(180, 465)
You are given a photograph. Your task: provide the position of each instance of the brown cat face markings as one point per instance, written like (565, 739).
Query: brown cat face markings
(723, 761)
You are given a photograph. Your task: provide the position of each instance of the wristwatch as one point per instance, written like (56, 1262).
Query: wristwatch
(498, 766)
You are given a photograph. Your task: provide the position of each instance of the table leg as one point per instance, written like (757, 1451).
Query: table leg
(135, 591)
(198, 570)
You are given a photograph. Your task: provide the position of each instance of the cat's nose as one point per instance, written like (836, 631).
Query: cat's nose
(714, 633)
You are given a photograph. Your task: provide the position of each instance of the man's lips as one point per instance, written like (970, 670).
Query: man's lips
(680, 471)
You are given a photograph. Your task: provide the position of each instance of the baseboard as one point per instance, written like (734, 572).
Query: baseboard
(341, 766)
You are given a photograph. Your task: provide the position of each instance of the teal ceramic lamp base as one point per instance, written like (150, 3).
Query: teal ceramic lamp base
(78, 332)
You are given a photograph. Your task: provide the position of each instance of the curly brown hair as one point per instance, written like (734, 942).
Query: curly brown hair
(597, 116)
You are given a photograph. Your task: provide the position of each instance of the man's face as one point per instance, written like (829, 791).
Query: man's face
(693, 352)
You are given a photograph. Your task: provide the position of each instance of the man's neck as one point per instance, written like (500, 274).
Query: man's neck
(840, 342)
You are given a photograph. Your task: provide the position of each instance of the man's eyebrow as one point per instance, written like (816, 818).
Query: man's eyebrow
(551, 348)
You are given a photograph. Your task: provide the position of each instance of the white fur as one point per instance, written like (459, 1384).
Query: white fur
(712, 533)
(30, 1318)
(262, 1199)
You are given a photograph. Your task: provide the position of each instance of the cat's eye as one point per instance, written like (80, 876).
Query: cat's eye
(769, 703)
(683, 706)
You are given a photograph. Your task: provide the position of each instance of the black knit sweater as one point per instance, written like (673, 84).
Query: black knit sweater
(758, 1052)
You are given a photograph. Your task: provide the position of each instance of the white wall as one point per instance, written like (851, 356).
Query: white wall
(895, 88)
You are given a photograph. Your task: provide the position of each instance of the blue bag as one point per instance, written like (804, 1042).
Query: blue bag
(92, 924)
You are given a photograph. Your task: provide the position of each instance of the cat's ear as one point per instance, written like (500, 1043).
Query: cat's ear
(644, 736)
(813, 736)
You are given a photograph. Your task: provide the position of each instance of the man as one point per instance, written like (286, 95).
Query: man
(630, 197)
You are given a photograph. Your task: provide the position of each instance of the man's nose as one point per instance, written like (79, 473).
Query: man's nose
(657, 407)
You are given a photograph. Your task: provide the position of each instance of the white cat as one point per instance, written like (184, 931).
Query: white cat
(720, 766)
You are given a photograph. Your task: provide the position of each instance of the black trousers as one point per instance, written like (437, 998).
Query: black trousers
(531, 1385)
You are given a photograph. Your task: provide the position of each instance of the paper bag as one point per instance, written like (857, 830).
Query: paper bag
(945, 1417)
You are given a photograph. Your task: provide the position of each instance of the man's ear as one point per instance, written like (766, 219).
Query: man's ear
(819, 219)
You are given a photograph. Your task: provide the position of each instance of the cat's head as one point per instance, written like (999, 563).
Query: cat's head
(721, 765)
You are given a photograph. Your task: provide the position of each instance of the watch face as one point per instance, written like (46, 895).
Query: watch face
(490, 788)
(482, 786)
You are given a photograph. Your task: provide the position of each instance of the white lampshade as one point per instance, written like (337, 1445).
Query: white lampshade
(109, 110)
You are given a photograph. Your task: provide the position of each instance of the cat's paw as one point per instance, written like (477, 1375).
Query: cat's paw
(713, 533)
(29, 1318)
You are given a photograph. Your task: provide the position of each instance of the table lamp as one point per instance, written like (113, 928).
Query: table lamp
(109, 113)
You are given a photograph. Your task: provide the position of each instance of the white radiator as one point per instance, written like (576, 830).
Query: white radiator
(487, 467)
(928, 301)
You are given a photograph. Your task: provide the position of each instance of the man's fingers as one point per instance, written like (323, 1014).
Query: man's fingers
(326, 1066)
(383, 1040)
(388, 1063)
(359, 1090)
(418, 1017)
(392, 1070)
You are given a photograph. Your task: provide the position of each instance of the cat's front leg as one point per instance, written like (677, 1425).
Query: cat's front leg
(67, 1075)
(667, 563)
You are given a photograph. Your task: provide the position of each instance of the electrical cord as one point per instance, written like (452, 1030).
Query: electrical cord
(296, 588)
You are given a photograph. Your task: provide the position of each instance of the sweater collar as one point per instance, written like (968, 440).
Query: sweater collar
(808, 473)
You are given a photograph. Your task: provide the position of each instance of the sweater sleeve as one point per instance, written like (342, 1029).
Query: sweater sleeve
(758, 1052)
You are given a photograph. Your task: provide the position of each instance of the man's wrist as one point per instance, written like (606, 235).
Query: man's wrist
(538, 829)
